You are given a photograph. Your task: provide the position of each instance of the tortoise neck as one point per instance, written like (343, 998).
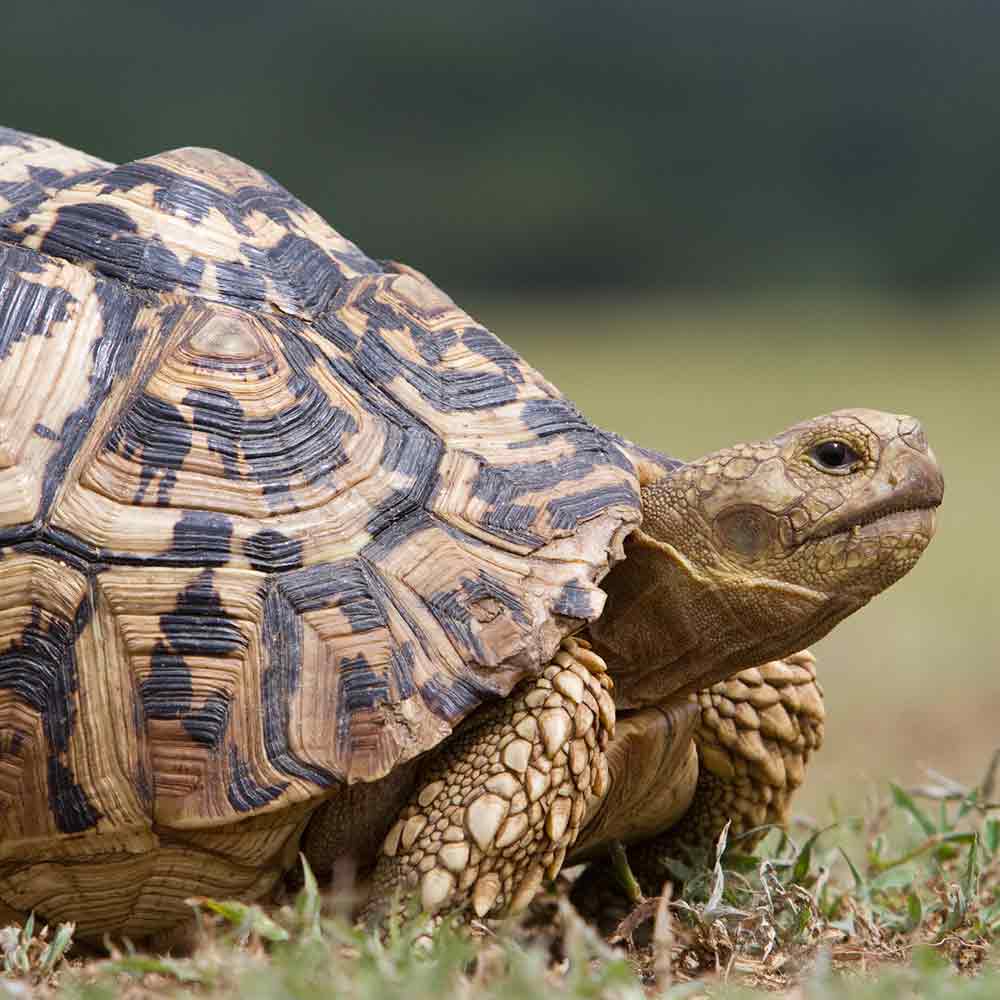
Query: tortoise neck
(655, 632)
(680, 616)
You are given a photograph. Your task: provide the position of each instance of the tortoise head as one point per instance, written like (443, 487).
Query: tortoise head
(755, 551)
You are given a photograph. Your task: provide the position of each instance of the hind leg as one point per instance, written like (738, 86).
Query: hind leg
(497, 806)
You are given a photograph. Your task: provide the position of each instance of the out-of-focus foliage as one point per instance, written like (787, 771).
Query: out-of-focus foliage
(693, 143)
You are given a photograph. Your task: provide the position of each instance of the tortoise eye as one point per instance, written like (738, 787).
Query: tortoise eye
(834, 456)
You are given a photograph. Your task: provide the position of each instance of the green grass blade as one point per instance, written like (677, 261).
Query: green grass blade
(905, 801)
(245, 918)
(56, 949)
(138, 966)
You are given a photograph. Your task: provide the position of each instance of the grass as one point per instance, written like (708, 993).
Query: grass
(899, 895)
(912, 909)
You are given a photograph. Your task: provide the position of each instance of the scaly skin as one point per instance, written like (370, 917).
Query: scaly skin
(495, 808)
(752, 737)
(744, 557)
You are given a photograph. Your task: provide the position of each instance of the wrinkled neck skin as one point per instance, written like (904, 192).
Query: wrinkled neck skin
(752, 553)
(672, 626)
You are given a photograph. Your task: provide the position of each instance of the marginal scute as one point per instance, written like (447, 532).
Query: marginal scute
(43, 611)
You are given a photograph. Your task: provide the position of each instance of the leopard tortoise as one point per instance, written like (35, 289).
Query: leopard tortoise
(277, 517)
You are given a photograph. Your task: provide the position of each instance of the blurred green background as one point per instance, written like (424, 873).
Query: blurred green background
(703, 219)
(706, 144)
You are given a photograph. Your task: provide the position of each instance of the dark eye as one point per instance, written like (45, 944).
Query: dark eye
(834, 455)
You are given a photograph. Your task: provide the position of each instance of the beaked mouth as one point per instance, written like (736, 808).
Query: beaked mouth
(881, 515)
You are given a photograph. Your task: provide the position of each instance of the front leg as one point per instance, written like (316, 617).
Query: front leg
(755, 735)
(750, 741)
(496, 807)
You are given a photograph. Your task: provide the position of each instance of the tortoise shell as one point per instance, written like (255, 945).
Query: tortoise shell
(274, 515)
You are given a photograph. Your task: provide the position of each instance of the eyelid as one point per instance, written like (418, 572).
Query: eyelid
(834, 438)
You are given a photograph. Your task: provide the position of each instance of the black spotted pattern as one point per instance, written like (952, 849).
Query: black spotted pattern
(202, 538)
(567, 512)
(113, 355)
(39, 669)
(270, 551)
(305, 274)
(96, 231)
(575, 601)
(245, 793)
(401, 668)
(27, 193)
(526, 502)
(361, 689)
(446, 391)
(298, 446)
(28, 307)
(206, 725)
(165, 271)
(154, 433)
(197, 626)
(346, 586)
(453, 698)
(283, 644)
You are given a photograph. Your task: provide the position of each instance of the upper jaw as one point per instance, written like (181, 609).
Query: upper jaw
(871, 521)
